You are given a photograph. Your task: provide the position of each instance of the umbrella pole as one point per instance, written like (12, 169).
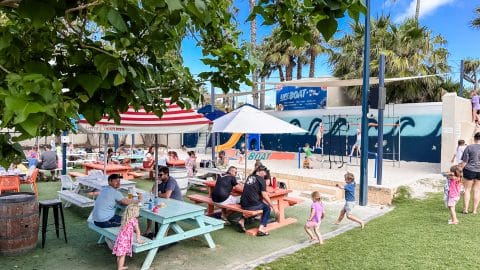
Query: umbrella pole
(246, 151)
(105, 155)
(156, 167)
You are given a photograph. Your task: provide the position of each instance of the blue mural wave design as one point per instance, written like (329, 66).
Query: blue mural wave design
(420, 136)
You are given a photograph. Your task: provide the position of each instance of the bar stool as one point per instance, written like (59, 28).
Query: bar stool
(56, 206)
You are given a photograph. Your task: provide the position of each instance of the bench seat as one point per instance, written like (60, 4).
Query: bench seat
(197, 198)
(293, 201)
(76, 174)
(112, 232)
(135, 174)
(75, 198)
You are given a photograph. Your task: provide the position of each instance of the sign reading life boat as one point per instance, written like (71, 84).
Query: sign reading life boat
(260, 155)
(301, 98)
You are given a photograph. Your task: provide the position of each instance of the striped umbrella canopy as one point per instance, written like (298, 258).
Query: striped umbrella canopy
(174, 120)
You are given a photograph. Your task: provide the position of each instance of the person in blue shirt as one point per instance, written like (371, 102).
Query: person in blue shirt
(349, 188)
(106, 203)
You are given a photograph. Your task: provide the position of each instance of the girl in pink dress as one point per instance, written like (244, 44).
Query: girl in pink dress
(317, 213)
(124, 242)
(454, 182)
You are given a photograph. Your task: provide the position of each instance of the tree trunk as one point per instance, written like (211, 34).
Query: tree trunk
(262, 94)
(313, 58)
(289, 70)
(148, 139)
(280, 73)
(299, 68)
(253, 40)
(417, 11)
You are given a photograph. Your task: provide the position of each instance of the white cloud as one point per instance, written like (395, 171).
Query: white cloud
(426, 7)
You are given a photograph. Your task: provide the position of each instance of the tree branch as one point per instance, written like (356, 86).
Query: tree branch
(82, 7)
(4, 69)
(96, 49)
(10, 3)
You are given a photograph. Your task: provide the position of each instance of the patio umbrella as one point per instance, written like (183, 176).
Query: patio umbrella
(174, 120)
(248, 119)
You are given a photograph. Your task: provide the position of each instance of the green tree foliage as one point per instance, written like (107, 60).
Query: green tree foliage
(409, 51)
(475, 23)
(59, 59)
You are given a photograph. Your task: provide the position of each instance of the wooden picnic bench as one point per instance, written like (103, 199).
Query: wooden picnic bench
(135, 174)
(197, 198)
(72, 197)
(172, 216)
(76, 174)
(293, 201)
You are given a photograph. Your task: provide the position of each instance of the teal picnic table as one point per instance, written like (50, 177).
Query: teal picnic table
(174, 215)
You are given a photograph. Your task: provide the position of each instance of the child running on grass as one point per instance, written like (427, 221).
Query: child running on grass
(349, 188)
(317, 213)
(454, 181)
(124, 242)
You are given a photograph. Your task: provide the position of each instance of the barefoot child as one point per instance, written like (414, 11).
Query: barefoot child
(454, 182)
(317, 213)
(123, 244)
(349, 188)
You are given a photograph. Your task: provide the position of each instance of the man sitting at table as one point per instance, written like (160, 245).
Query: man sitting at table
(167, 188)
(105, 205)
(255, 197)
(48, 161)
(223, 188)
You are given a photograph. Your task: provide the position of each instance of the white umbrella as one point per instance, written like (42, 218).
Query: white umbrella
(248, 119)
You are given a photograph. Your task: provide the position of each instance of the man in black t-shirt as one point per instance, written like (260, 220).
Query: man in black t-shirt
(223, 189)
(255, 197)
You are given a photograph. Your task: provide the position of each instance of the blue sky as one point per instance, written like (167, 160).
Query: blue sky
(449, 18)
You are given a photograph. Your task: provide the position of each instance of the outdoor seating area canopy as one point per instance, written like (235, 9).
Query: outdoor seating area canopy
(334, 82)
(248, 119)
(174, 120)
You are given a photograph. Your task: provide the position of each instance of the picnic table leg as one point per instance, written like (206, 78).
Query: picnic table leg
(281, 210)
(149, 259)
(207, 236)
(101, 240)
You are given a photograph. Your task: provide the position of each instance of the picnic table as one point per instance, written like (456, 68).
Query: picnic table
(134, 159)
(175, 215)
(280, 201)
(110, 169)
(91, 181)
(101, 181)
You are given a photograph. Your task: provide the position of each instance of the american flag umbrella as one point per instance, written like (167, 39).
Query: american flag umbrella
(174, 120)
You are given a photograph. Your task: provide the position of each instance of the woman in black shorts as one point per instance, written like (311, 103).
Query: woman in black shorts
(471, 174)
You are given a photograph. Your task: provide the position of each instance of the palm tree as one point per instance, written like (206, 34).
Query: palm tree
(471, 72)
(253, 41)
(409, 50)
(475, 23)
(417, 11)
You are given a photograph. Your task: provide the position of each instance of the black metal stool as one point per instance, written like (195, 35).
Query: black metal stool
(56, 205)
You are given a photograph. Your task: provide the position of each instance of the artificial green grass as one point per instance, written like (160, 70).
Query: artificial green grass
(82, 252)
(415, 235)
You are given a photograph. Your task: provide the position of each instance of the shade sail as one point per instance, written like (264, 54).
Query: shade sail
(332, 82)
(248, 119)
(174, 120)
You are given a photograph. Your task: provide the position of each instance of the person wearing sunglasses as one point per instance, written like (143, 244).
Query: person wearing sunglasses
(167, 188)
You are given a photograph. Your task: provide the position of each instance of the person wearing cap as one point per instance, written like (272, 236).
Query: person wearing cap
(105, 205)
(255, 197)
